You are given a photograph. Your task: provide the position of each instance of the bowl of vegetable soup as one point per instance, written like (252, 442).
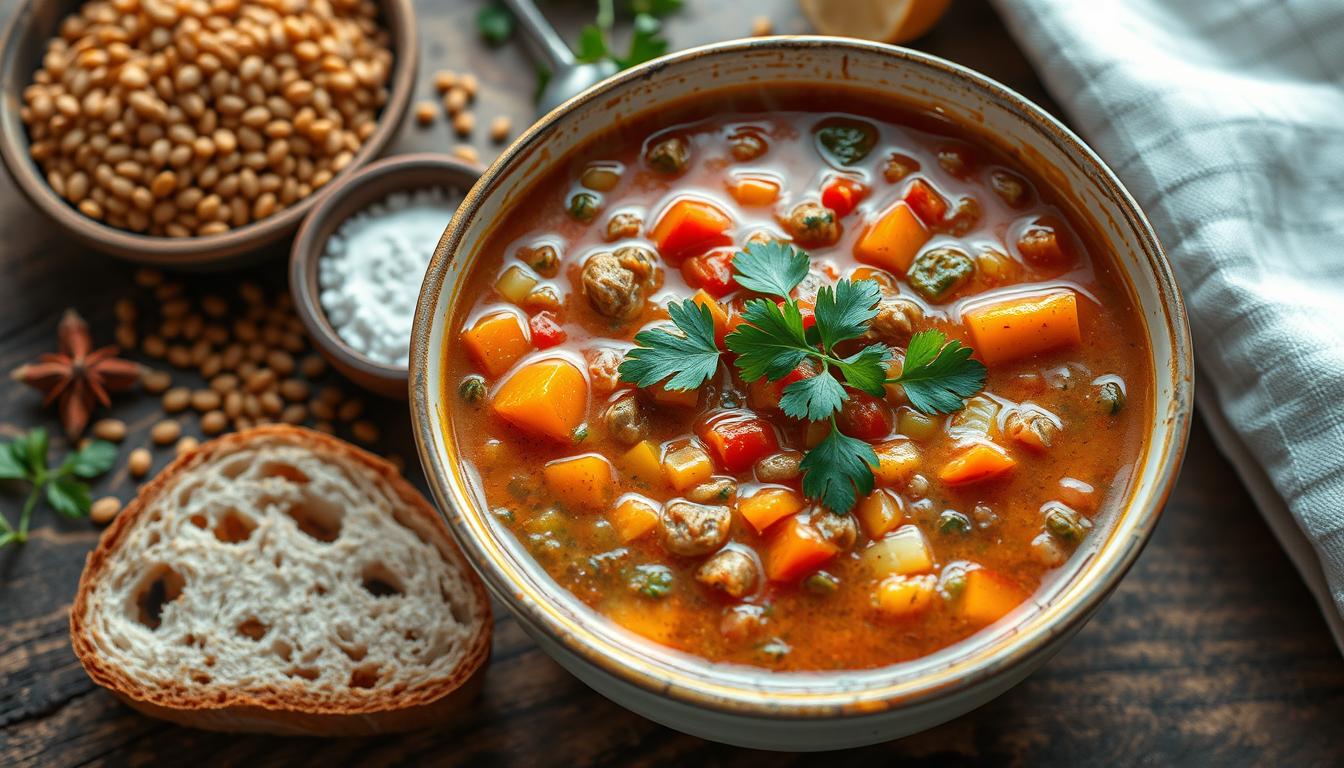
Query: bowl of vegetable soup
(800, 393)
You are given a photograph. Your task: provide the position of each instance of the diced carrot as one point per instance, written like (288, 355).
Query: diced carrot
(687, 466)
(737, 440)
(1024, 327)
(901, 597)
(897, 461)
(689, 227)
(753, 191)
(582, 481)
(796, 550)
(879, 513)
(548, 398)
(633, 517)
(680, 398)
(769, 505)
(981, 461)
(716, 311)
(988, 596)
(644, 463)
(496, 342)
(892, 241)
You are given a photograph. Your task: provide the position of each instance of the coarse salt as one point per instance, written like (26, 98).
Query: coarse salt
(372, 268)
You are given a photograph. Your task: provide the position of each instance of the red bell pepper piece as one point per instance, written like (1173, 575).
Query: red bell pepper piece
(689, 227)
(925, 201)
(841, 194)
(737, 440)
(546, 330)
(711, 272)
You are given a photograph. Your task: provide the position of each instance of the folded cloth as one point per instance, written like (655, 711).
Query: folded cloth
(1226, 122)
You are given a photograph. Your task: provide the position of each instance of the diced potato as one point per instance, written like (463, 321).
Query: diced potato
(633, 517)
(892, 241)
(900, 597)
(515, 284)
(496, 342)
(769, 505)
(644, 464)
(916, 425)
(880, 512)
(988, 596)
(581, 481)
(904, 551)
(897, 460)
(548, 398)
(687, 466)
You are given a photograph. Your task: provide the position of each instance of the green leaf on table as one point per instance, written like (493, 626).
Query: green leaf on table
(771, 268)
(495, 24)
(645, 43)
(770, 343)
(68, 496)
(843, 312)
(690, 358)
(938, 375)
(656, 7)
(592, 45)
(13, 460)
(838, 470)
(35, 451)
(93, 459)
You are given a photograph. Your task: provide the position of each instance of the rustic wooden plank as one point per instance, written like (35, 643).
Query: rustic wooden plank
(1210, 652)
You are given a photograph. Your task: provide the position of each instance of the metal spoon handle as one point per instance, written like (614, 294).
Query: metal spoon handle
(541, 34)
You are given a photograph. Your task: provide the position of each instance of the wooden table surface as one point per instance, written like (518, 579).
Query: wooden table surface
(1210, 652)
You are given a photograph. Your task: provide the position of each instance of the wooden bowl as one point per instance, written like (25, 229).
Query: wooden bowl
(349, 196)
(24, 42)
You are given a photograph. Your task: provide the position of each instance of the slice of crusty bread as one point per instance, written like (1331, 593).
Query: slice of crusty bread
(280, 580)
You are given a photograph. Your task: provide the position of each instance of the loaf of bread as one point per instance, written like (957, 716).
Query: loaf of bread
(280, 580)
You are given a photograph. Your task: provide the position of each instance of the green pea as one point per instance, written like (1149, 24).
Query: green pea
(844, 140)
(821, 583)
(652, 580)
(472, 388)
(1111, 397)
(952, 521)
(583, 206)
(938, 273)
(1064, 523)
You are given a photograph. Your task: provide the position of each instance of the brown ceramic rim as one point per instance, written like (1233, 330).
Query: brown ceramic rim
(703, 687)
(218, 251)
(310, 244)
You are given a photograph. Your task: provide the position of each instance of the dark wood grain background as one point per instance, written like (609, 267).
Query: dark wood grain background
(1211, 652)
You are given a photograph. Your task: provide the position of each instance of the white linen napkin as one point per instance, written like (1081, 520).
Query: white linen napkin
(1226, 122)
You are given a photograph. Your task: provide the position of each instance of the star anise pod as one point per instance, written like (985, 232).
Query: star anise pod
(78, 377)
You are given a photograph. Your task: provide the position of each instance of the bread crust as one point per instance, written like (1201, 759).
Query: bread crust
(285, 710)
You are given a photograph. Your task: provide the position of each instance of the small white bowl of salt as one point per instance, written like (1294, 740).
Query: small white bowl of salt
(359, 259)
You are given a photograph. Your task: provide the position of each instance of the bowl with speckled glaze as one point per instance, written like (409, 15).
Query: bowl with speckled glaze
(810, 710)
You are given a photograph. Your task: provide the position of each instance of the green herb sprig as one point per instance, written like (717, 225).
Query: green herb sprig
(25, 459)
(773, 341)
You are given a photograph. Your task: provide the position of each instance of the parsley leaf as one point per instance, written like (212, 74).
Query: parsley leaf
(689, 358)
(34, 447)
(69, 497)
(592, 45)
(938, 374)
(12, 467)
(770, 343)
(656, 7)
(814, 398)
(772, 268)
(867, 369)
(838, 470)
(495, 24)
(843, 312)
(92, 460)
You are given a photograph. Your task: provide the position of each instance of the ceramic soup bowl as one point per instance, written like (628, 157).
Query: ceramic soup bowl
(818, 710)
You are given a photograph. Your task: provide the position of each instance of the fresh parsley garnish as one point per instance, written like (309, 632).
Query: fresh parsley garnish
(773, 341)
(495, 24)
(938, 375)
(689, 358)
(25, 459)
